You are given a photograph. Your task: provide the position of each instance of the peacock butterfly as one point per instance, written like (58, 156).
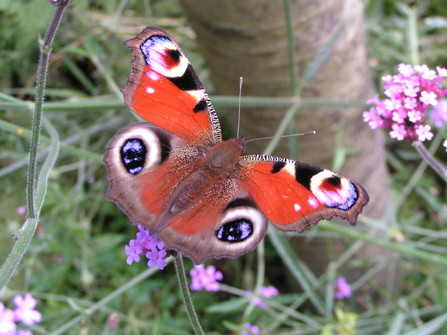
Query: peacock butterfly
(174, 175)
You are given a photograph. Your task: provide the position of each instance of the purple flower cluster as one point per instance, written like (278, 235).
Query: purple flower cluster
(342, 288)
(24, 312)
(250, 329)
(205, 278)
(147, 244)
(409, 94)
(266, 292)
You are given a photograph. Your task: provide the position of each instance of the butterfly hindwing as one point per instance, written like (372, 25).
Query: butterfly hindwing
(215, 226)
(164, 89)
(295, 195)
(145, 164)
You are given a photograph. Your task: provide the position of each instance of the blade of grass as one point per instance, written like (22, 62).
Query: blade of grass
(394, 246)
(12, 128)
(298, 269)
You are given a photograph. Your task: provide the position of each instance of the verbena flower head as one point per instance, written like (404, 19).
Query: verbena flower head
(342, 288)
(409, 94)
(205, 278)
(148, 245)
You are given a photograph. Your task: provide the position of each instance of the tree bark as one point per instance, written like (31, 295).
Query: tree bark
(249, 39)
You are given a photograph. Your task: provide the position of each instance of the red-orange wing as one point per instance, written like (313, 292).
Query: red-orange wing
(164, 89)
(293, 195)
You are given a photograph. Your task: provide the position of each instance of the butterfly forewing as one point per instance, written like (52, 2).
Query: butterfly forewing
(164, 89)
(296, 195)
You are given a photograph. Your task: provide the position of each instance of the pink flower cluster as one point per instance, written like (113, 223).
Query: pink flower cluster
(147, 244)
(409, 94)
(205, 278)
(24, 312)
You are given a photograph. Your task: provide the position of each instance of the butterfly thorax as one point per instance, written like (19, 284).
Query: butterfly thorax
(224, 156)
(218, 165)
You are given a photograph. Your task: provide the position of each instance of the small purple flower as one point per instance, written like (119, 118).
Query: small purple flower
(415, 116)
(266, 292)
(156, 258)
(133, 250)
(205, 278)
(259, 302)
(409, 94)
(250, 330)
(398, 132)
(442, 72)
(269, 291)
(149, 245)
(405, 69)
(7, 318)
(25, 309)
(424, 132)
(439, 113)
(342, 288)
(24, 332)
(113, 321)
(429, 98)
(20, 211)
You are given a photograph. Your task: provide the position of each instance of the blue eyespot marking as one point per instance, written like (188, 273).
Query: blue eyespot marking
(133, 155)
(235, 231)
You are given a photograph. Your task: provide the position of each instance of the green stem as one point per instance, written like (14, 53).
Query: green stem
(426, 155)
(412, 33)
(26, 233)
(24, 237)
(293, 72)
(181, 277)
(44, 58)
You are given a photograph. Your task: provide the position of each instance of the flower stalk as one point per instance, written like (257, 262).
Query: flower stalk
(426, 155)
(181, 277)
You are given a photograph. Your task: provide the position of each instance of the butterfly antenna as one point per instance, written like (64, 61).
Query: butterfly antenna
(241, 81)
(313, 132)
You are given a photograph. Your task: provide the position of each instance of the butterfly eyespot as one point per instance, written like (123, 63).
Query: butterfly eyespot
(334, 191)
(175, 55)
(133, 155)
(235, 231)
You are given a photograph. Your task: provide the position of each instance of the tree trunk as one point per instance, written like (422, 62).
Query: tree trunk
(249, 39)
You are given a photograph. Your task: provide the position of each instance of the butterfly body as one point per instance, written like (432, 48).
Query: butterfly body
(174, 175)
